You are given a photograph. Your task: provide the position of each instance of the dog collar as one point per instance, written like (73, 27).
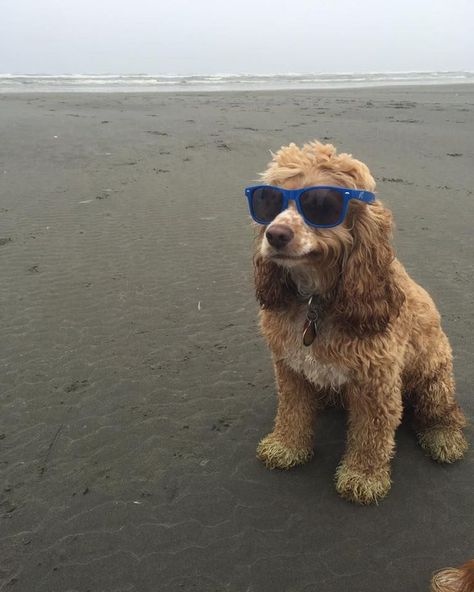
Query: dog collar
(312, 321)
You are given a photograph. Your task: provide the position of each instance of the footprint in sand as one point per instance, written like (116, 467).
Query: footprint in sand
(395, 180)
(76, 385)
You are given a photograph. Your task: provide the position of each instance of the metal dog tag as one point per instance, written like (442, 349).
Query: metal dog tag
(309, 332)
(310, 327)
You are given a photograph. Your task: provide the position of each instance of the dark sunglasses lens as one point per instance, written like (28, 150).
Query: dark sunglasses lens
(267, 203)
(322, 206)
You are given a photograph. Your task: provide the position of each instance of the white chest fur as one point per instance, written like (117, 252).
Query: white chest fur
(302, 360)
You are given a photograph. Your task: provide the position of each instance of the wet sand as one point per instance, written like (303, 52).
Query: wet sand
(134, 384)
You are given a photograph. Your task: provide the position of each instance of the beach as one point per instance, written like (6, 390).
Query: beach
(135, 385)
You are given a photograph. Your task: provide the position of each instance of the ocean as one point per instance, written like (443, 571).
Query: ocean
(220, 82)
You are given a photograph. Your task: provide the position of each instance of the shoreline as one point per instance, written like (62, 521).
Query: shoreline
(208, 88)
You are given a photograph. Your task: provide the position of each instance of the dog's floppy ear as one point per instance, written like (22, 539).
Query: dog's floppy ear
(367, 296)
(273, 287)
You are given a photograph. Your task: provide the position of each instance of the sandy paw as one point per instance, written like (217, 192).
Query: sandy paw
(362, 488)
(443, 444)
(277, 456)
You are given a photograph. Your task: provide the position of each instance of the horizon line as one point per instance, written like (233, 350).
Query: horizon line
(265, 74)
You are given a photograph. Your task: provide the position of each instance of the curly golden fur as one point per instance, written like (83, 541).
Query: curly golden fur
(380, 334)
(459, 579)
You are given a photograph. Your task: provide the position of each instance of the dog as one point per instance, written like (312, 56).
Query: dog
(343, 318)
(460, 579)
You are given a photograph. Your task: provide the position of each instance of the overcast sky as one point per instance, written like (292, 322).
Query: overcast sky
(248, 36)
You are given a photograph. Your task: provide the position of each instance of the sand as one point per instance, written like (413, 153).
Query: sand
(134, 383)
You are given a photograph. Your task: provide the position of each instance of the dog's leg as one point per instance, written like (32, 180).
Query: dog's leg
(439, 420)
(375, 411)
(291, 442)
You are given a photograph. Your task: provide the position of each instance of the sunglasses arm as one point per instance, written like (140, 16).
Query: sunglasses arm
(365, 196)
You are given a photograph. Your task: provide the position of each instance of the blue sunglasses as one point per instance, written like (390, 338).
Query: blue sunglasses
(320, 207)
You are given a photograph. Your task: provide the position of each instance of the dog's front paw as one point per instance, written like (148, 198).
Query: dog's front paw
(276, 455)
(443, 444)
(362, 488)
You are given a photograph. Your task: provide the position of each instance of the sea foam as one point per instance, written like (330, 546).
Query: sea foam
(221, 82)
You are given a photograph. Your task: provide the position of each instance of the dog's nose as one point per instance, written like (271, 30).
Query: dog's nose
(279, 235)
